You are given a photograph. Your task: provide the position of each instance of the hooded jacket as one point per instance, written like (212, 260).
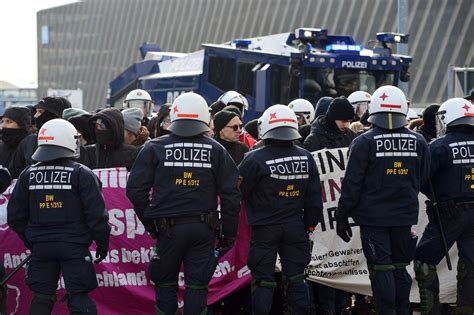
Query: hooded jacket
(115, 154)
(322, 136)
(12, 137)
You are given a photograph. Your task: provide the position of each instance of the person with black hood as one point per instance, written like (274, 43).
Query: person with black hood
(320, 109)
(16, 125)
(50, 107)
(109, 150)
(332, 130)
(79, 118)
(428, 129)
(158, 125)
(227, 128)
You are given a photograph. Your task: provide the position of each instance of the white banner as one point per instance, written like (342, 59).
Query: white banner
(74, 96)
(342, 265)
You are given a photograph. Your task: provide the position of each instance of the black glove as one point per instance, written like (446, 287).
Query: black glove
(224, 245)
(343, 228)
(100, 254)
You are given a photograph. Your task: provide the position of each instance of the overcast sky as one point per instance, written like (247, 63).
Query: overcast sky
(18, 54)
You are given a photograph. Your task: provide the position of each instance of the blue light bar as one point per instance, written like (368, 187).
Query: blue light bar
(242, 43)
(339, 47)
(392, 38)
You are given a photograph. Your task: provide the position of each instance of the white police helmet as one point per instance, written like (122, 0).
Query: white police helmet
(235, 98)
(57, 138)
(388, 108)
(304, 108)
(139, 99)
(360, 101)
(278, 122)
(189, 115)
(456, 111)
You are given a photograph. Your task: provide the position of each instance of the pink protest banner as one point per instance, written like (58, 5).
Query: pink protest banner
(124, 285)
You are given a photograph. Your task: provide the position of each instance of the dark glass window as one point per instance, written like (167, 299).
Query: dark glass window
(281, 85)
(246, 78)
(221, 72)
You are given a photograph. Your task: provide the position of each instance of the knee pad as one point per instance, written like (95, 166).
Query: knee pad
(197, 286)
(262, 293)
(296, 279)
(423, 271)
(263, 284)
(428, 286)
(81, 304)
(42, 303)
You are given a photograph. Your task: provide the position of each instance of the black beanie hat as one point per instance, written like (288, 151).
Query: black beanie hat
(340, 109)
(82, 125)
(54, 105)
(216, 107)
(20, 115)
(429, 115)
(234, 109)
(252, 128)
(322, 106)
(221, 119)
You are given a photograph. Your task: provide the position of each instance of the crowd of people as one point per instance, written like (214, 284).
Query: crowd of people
(188, 157)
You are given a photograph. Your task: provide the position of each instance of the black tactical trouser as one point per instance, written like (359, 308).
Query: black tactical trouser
(458, 227)
(292, 243)
(74, 261)
(388, 251)
(193, 245)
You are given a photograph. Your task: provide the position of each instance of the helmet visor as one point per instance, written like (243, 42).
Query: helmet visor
(360, 108)
(440, 125)
(143, 105)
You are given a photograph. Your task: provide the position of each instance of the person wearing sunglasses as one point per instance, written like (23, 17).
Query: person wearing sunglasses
(227, 129)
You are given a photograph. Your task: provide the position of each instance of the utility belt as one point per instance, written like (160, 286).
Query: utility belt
(450, 209)
(164, 225)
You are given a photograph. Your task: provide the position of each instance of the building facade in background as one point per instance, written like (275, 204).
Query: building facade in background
(85, 45)
(13, 95)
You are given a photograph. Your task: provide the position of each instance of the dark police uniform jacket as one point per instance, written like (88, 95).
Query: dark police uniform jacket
(452, 166)
(279, 180)
(385, 172)
(187, 175)
(61, 201)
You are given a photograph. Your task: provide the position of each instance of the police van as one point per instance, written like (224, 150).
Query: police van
(268, 70)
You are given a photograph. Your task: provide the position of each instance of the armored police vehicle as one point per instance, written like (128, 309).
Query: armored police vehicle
(274, 69)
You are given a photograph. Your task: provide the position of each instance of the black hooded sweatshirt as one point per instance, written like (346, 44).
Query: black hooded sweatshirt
(325, 134)
(115, 153)
(12, 137)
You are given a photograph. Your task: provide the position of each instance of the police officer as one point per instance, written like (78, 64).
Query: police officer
(305, 113)
(360, 101)
(141, 99)
(57, 209)
(280, 185)
(187, 171)
(452, 179)
(386, 168)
